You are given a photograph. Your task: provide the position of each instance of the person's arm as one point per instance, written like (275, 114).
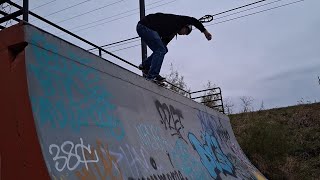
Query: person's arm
(196, 23)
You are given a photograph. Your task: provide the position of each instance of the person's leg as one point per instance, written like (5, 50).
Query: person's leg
(154, 42)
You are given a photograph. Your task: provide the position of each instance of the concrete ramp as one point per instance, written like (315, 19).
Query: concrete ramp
(68, 114)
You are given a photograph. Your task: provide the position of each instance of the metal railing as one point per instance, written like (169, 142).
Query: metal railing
(24, 11)
(212, 100)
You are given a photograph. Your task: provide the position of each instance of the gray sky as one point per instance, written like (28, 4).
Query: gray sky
(273, 56)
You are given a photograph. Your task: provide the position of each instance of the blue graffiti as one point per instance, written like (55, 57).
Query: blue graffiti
(187, 163)
(211, 155)
(213, 127)
(66, 94)
(151, 137)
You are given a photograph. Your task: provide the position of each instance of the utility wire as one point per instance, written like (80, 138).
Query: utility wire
(276, 7)
(91, 11)
(42, 5)
(248, 9)
(115, 45)
(87, 12)
(112, 16)
(126, 48)
(255, 13)
(233, 9)
(67, 8)
(250, 4)
(117, 18)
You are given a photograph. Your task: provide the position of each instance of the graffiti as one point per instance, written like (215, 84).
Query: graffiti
(170, 159)
(171, 119)
(65, 94)
(213, 126)
(111, 169)
(62, 177)
(170, 176)
(137, 160)
(181, 158)
(153, 163)
(211, 155)
(71, 153)
(151, 137)
(240, 169)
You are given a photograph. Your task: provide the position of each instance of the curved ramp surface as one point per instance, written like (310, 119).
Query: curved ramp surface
(88, 118)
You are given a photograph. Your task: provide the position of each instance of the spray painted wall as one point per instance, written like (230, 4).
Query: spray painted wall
(96, 120)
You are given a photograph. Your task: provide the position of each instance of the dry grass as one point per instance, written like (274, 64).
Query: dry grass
(284, 143)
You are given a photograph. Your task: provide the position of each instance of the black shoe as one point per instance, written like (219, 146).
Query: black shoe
(160, 78)
(144, 70)
(155, 80)
(141, 67)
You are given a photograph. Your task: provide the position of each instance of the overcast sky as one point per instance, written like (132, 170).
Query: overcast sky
(273, 56)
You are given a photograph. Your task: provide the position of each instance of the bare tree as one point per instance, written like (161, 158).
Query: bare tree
(261, 106)
(246, 103)
(228, 106)
(177, 80)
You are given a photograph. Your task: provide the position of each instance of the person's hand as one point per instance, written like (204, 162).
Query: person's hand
(208, 35)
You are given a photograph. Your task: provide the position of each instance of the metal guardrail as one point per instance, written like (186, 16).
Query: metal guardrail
(215, 97)
(24, 11)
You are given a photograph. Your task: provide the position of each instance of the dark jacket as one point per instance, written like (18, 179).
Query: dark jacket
(168, 25)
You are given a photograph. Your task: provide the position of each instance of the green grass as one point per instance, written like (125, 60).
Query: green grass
(283, 143)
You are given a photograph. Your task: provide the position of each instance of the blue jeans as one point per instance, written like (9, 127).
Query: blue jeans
(154, 42)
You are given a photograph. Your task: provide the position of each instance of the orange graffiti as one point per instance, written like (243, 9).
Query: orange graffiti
(109, 163)
(59, 178)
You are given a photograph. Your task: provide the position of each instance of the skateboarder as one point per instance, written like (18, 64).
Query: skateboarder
(157, 30)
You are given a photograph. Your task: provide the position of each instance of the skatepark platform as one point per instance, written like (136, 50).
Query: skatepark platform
(69, 114)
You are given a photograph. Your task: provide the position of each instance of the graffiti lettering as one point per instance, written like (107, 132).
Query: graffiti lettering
(184, 160)
(170, 176)
(171, 118)
(153, 163)
(213, 126)
(135, 159)
(110, 170)
(211, 155)
(151, 137)
(66, 159)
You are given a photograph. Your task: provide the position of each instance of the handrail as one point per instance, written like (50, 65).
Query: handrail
(10, 16)
(206, 90)
(72, 34)
(206, 95)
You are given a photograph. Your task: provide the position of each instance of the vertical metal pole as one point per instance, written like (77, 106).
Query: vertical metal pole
(100, 53)
(143, 45)
(221, 100)
(25, 10)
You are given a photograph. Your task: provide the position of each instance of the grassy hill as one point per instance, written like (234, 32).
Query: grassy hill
(283, 143)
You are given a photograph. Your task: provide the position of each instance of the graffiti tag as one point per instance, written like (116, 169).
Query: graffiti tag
(69, 152)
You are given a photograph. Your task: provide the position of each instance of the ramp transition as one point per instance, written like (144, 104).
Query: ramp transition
(68, 114)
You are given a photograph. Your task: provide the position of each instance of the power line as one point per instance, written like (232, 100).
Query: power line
(115, 44)
(241, 16)
(248, 9)
(90, 11)
(113, 16)
(235, 13)
(118, 18)
(43, 5)
(254, 13)
(233, 9)
(250, 4)
(126, 48)
(66, 8)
